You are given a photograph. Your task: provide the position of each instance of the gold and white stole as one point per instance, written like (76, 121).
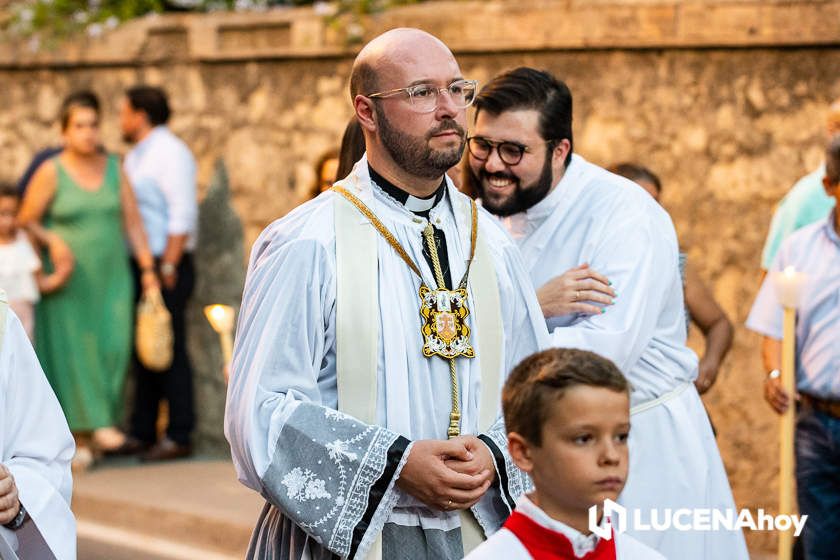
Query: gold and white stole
(357, 325)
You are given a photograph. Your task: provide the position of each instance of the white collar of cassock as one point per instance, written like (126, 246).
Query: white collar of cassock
(451, 202)
(581, 544)
(415, 204)
(411, 203)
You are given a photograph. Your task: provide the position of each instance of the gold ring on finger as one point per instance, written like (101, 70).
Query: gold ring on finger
(449, 504)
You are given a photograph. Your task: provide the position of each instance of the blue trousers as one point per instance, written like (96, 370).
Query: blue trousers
(818, 482)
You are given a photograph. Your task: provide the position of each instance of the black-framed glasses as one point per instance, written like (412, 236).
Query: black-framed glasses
(509, 152)
(423, 98)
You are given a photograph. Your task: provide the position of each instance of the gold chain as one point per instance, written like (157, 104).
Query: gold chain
(428, 233)
(392, 241)
(380, 227)
(455, 415)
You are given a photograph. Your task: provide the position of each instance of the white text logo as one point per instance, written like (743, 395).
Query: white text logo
(685, 519)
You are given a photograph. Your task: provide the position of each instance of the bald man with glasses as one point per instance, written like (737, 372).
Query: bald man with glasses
(378, 323)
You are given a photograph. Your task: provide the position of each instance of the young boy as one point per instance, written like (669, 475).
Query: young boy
(568, 418)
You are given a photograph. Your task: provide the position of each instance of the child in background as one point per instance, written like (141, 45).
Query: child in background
(20, 268)
(568, 418)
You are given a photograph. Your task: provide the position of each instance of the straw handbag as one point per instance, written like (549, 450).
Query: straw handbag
(153, 334)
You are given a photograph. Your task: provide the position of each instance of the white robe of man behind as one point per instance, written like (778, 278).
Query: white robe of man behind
(36, 447)
(595, 217)
(329, 479)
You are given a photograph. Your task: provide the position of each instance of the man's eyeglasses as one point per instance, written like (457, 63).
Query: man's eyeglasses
(423, 98)
(509, 152)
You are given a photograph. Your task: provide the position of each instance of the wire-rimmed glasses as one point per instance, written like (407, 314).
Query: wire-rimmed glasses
(423, 98)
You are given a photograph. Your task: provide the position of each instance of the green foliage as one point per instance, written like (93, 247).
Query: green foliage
(45, 21)
(59, 18)
(348, 15)
(363, 7)
(52, 19)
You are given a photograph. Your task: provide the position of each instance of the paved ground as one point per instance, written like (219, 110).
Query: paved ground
(183, 510)
(177, 511)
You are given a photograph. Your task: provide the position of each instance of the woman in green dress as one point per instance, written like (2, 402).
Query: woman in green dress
(77, 208)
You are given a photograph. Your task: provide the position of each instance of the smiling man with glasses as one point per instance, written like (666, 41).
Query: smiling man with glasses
(377, 324)
(564, 211)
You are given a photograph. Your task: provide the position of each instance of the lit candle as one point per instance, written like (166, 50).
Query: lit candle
(221, 319)
(789, 284)
(789, 287)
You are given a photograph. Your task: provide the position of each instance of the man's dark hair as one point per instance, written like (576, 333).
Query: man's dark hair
(636, 172)
(8, 190)
(528, 88)
(832, 160)
(83, 98)
(542, 378)
(152, 101)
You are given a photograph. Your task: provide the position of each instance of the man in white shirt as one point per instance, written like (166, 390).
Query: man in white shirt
(35, 452)
(814, 249)
(563, 212)
(162, 172)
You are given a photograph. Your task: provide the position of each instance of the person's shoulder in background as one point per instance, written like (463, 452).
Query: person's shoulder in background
(805, 203)
(40, 157)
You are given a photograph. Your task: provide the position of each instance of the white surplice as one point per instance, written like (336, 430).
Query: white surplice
(595, 217)
(36, 446)
(329, 478)
(505, 544)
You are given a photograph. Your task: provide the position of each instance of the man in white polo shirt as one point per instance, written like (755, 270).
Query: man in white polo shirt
(814, 249)
(162, 170)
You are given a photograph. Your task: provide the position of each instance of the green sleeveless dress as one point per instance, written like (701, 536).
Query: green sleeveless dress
(83, 332)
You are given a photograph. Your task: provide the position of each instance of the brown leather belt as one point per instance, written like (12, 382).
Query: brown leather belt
(826, 406)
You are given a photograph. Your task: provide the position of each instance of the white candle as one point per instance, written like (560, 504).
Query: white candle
(789, 286)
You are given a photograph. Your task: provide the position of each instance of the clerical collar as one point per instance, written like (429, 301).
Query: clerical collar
(412, 203)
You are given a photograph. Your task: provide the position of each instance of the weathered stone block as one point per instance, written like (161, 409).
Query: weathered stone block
(729, 129)
(220, 277)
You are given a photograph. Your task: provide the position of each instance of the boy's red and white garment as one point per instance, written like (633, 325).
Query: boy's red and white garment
(530, 533)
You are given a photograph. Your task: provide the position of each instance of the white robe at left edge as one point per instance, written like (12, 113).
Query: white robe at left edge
(595, 217)
(37, 448)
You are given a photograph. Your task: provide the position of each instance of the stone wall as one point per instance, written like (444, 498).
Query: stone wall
(724, 99)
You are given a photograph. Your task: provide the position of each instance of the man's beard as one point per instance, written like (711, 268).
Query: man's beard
(522, 198)
(413, 154)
